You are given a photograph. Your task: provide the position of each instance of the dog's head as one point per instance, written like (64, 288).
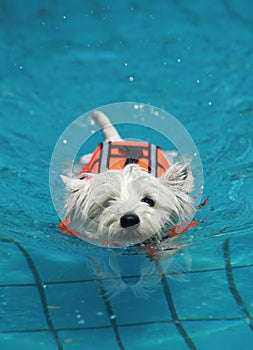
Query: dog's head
(128, 206)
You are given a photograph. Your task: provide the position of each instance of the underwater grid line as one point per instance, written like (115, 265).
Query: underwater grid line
(229, 267)
(122, 325)
(40, 289)
(232, 285)
(108, 306)
(172, 308)
(88, 280)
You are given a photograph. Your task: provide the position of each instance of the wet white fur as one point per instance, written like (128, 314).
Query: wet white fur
(95, 206)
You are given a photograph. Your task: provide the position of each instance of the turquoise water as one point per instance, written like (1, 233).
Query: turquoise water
(60, 59)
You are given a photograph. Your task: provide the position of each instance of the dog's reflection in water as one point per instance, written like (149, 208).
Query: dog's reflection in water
(137, 274)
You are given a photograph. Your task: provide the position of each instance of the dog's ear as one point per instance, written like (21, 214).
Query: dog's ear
(179, 176)
(73, 185)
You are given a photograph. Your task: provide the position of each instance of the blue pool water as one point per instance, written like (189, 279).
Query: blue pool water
(60, 59)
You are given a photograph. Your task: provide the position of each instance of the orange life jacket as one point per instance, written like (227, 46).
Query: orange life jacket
(117, 154)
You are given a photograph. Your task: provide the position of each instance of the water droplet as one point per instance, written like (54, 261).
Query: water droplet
(81, 322)
(100, 313)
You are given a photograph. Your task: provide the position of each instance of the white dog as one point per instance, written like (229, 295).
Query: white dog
(128, 194)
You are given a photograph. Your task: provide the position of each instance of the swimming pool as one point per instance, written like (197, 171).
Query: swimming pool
(60, 59)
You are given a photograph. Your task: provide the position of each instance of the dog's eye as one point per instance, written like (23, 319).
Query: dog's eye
(108, 202)
(149, 201)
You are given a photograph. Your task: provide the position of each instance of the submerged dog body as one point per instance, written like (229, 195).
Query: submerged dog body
(133, 199)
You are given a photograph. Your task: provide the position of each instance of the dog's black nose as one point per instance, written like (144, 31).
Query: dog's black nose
(129, 220)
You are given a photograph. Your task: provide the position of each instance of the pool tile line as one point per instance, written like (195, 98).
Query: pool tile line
(177, 322)
(88, 280)
(232, 285)
(121, 325)
(40, 287)
(172, 308)
(109, 310)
